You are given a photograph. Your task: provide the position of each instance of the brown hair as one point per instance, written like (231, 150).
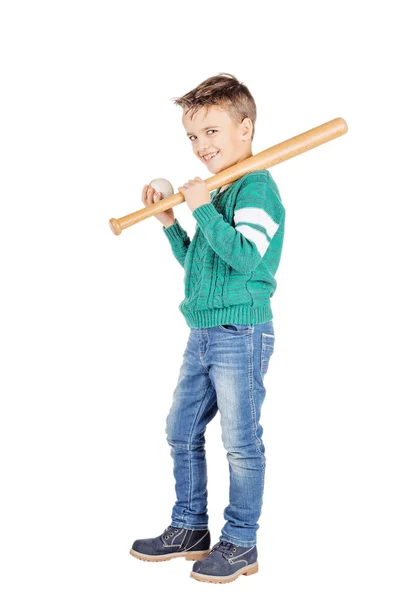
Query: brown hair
(225, 91)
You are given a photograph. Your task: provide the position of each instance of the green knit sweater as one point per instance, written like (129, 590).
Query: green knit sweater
(235, 252)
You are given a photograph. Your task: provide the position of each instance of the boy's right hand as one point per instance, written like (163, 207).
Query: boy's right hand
(166, 217)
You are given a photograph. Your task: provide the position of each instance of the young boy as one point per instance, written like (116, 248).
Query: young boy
(229, 279)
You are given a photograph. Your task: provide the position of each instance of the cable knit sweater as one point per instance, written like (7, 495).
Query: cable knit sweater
(235, 252)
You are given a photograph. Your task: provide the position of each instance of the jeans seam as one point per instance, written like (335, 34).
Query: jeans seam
(253, 408)
(232, 539)
(201, 354)
(195, 420)
(189, 526)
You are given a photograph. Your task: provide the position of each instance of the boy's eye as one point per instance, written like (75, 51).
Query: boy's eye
(190, 137)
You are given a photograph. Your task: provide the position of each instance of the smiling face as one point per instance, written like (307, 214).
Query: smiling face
(211, 130)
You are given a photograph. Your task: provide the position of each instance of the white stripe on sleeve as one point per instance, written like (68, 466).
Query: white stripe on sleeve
(258, 216)
(256, 236)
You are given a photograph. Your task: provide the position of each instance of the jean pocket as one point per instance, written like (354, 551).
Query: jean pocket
(267, 349)
(236, 328)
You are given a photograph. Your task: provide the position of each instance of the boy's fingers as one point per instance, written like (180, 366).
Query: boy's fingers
(150, 194)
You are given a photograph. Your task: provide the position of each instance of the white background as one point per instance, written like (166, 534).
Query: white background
(91, 336)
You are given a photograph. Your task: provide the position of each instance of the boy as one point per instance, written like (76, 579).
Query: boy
(229, 279)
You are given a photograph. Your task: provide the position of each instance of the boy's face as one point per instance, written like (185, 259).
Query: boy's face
(211, 130)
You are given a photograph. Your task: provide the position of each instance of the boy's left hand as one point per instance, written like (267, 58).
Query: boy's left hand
(195, 192)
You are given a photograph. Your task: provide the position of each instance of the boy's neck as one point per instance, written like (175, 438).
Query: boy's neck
(250, 153)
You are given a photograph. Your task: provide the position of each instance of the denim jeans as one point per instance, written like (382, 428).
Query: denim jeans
(223, 369)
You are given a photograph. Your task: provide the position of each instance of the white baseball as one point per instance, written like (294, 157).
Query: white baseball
(163, 186)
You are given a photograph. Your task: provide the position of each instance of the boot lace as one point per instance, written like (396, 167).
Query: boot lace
(168, 532)
(224, 547)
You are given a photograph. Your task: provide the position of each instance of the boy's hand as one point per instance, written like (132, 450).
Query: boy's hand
(166, 217)
(195, 192)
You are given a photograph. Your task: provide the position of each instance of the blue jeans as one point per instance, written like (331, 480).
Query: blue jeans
(223, 369)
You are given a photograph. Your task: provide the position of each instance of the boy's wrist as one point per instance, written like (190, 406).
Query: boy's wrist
(168, 223)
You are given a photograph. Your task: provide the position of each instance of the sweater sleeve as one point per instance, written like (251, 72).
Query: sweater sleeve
(257, 216)
(179, 240)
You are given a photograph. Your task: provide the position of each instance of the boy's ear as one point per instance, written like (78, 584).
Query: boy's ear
(246, 127)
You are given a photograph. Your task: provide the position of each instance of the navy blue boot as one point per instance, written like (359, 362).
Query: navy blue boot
(225, 562)
(193, 544)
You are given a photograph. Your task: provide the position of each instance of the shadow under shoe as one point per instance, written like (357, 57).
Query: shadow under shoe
(174, 542)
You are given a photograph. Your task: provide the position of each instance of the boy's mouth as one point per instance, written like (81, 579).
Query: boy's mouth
(208, 157)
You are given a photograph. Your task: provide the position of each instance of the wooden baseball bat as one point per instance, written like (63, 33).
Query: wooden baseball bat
(263, 160)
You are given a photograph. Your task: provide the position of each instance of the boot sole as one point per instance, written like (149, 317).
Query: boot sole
(194, 555)
(248, 570)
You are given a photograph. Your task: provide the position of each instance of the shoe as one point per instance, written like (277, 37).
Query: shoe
(174, 542)
(225, 562)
